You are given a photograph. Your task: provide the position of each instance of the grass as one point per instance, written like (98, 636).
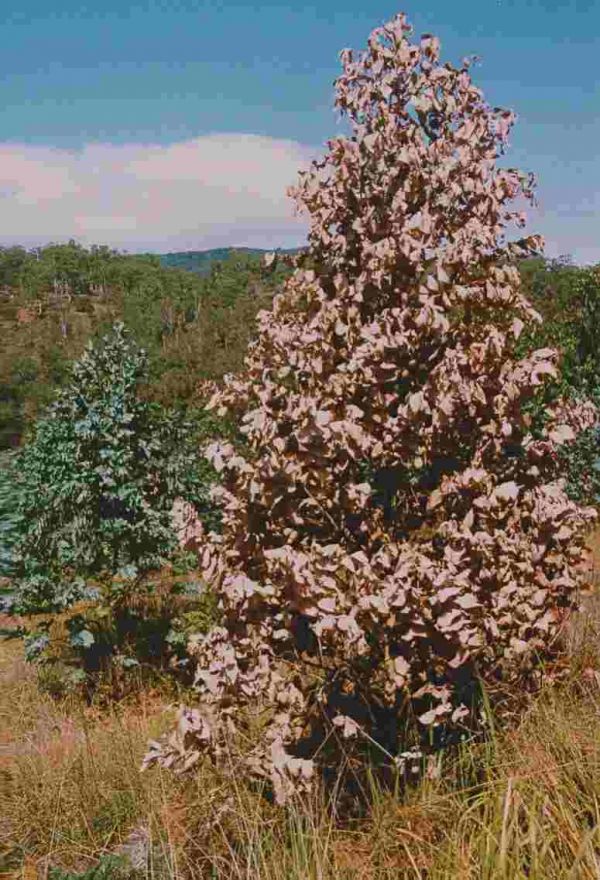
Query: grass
(525, 804)
(70, 781)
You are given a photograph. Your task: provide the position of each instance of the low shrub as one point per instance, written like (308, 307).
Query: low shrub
(99, 481)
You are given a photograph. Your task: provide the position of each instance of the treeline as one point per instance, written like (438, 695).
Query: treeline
(201, 262)
(568, 299)
(195, 323)
(54, 299)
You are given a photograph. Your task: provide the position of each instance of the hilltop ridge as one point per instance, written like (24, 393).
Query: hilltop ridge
(200, 262)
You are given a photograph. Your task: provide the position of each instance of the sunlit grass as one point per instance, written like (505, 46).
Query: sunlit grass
(524, 804)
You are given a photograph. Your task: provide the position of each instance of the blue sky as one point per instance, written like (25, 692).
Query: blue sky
(101, 99)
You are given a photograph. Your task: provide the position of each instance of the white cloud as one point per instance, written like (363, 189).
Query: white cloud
(215, 190)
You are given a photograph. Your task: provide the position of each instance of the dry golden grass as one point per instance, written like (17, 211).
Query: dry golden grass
(70, 786)
(525, 804)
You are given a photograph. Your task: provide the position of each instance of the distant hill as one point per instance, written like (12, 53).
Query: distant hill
(200, 262)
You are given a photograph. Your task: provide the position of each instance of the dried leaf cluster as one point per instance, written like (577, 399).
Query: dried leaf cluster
(393, 528)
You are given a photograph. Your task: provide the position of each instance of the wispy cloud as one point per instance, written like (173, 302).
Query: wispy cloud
(218, 190)
(215, 190)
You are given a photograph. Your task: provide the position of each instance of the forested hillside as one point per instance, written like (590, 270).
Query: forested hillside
(192, 311)
(54, 299)
(201, 262)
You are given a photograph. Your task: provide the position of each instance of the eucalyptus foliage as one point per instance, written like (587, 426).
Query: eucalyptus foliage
(100, 477)
(8, 515)
(568, 298)
(10, 524)
(394, 532)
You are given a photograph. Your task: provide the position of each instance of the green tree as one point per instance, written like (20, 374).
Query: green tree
(568, 299)
(9, 516)
(100, 478)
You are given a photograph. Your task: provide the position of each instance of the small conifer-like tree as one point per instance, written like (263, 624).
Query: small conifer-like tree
(394, 528)
(99, 479)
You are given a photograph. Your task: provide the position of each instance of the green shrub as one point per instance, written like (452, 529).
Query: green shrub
(568, 299)
(98, 484)
(10, 519)
(580, 462)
